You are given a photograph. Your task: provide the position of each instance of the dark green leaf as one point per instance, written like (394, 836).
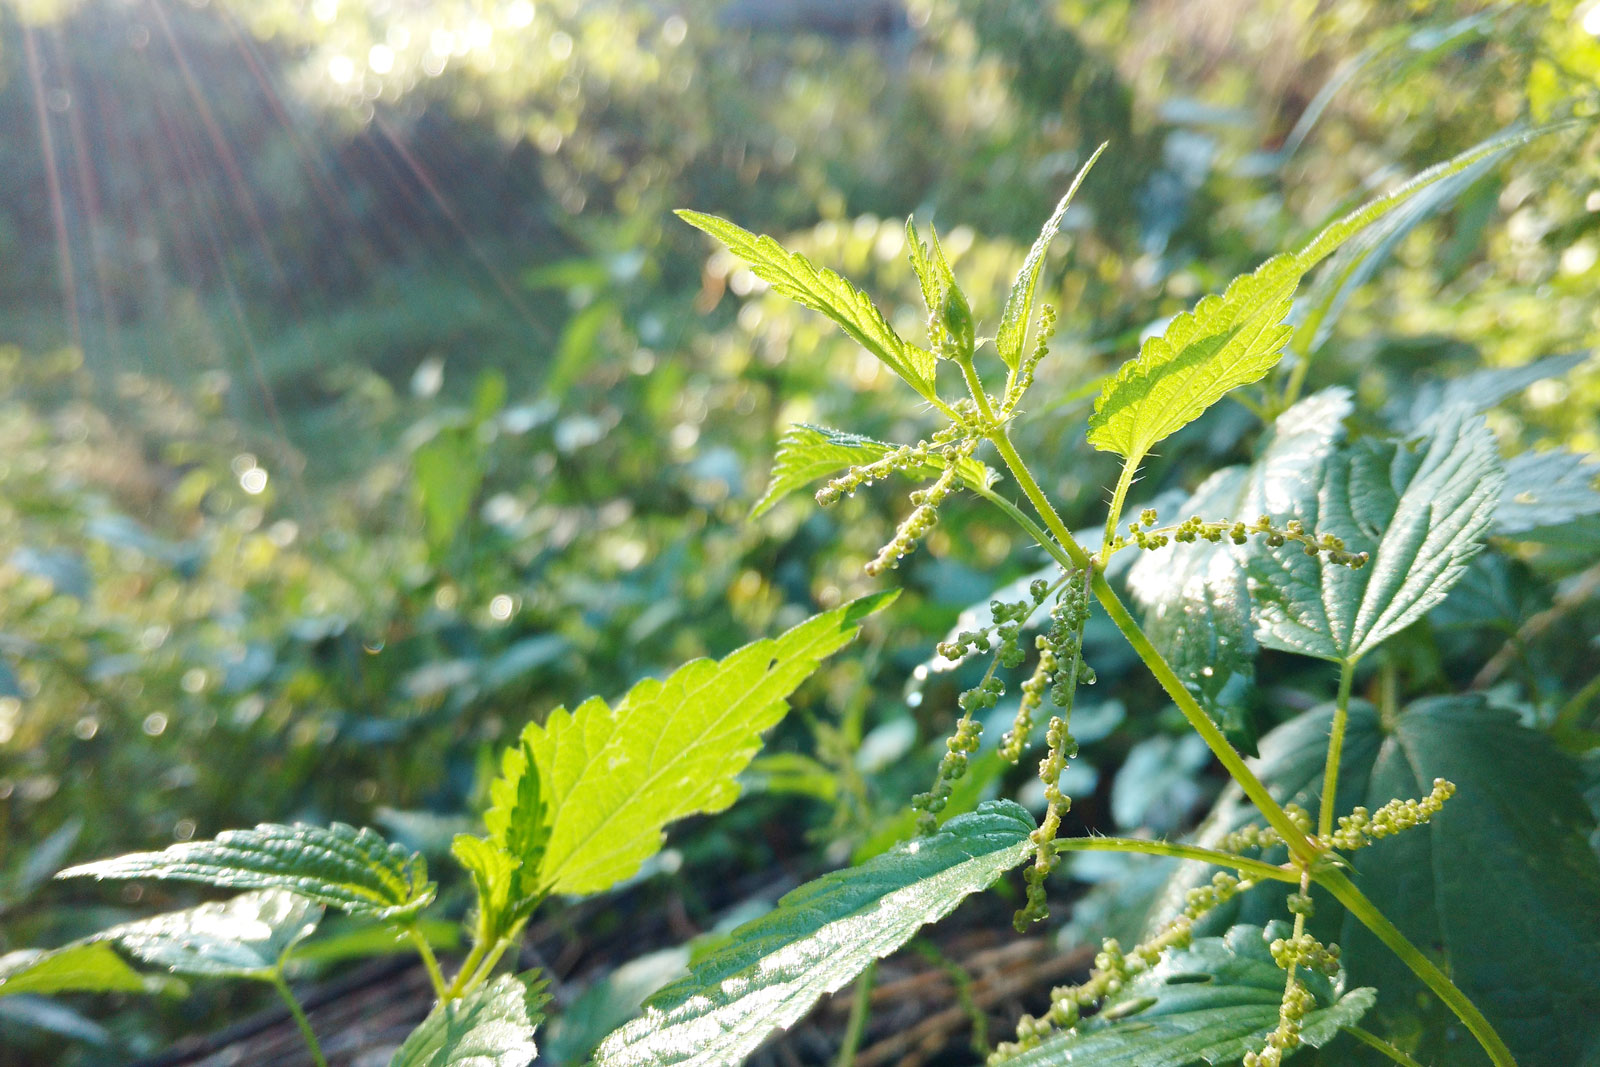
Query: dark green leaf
(1209, 1003)
(338, 865)
(1419, 508)
(1545, 489)
(818, 938)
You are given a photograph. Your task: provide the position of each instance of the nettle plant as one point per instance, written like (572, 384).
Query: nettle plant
(1329, 543)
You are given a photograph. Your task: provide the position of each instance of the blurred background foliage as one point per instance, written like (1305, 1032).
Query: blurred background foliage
(362, 398)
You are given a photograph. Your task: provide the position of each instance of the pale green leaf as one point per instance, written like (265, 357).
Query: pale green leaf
(818, 938)
(1476, 392)
(1234, 339)
(1545, 489)
(1210, 1003)
(929, 282)
(1420, 509)
(81, 967)
(340, 866)
(1011, 339)
(792, 275)
(612, 778)
(495, 878)
(448, 472)
(246, 937)
(807, 453)
(490, 1027)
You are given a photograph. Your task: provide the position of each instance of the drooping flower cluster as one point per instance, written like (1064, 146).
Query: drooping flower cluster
(1144, 533)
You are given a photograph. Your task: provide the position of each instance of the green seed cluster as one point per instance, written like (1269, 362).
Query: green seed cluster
(1144, 534)
(1060, 654)
(923, 518)
(1250, 838)
(1062, 647)
(1009, 617)
(1361, 828)
(1297, 1004)
(940, 450)
(1303, 950)
(1024, 378)
(1113, 968)
(958, 749)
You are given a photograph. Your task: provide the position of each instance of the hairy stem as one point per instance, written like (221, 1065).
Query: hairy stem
(486, 968)
(1119, 497)
(1330, 773)
(1157, 664)
(1243, 864)
(468, 967)
(1357, 904)
(1374, 1041)
(300, 1019)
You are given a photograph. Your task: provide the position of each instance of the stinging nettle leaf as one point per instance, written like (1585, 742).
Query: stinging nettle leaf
(81, 967)
(819, 937)
(1011, 339)
(1476, 392)
(612, 778)
(806, 453)
(1210, 1003)
(246, 937)
(340, 866)
(1234, 339)
(490, 1027)
(823, 290)
(1420, 509)
(1545, 489)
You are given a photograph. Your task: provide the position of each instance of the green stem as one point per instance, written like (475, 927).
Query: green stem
(975, 387)
(1157, 664)
(299, 1018)
(860, 1011)
(468, 967)
(1243, 864)
(486, 968)
(1357, 904)
(1330, 774)
(429, 960)
(1118, 497)
(1374, 1041)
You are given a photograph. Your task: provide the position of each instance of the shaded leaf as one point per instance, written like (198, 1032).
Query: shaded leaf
(611, 779)
(340, 866)
(1234, 339)
(1011, 339)
(806, 453)
(1480, 390)
(82, 967)
(246, 937)
(818, 938)
(1420, 508)
(1546, 489)
(1209, 1003)
(792, 275)
(490, 1027)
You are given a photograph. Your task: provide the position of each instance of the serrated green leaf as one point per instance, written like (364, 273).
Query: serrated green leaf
(1210, 1003)
(490, 1027)
(82, 967)
(1420, 508)
(928, 280)
(353, 870)
(1545, 489)
(806, 453)
(246, 937)
(792, 275)
(1011, 339)
(1501, 889)
(1234, 339)
(818, 938)
(613, 778)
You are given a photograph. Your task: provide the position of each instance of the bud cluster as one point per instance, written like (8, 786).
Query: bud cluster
(1143, 533)
(1024, 377)
(1264, 837)
(1297, 1004)
(940, 450)
(1114, 968)
(1361, 828)
(958, 750)
(1060, 654)
(1009, 617)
